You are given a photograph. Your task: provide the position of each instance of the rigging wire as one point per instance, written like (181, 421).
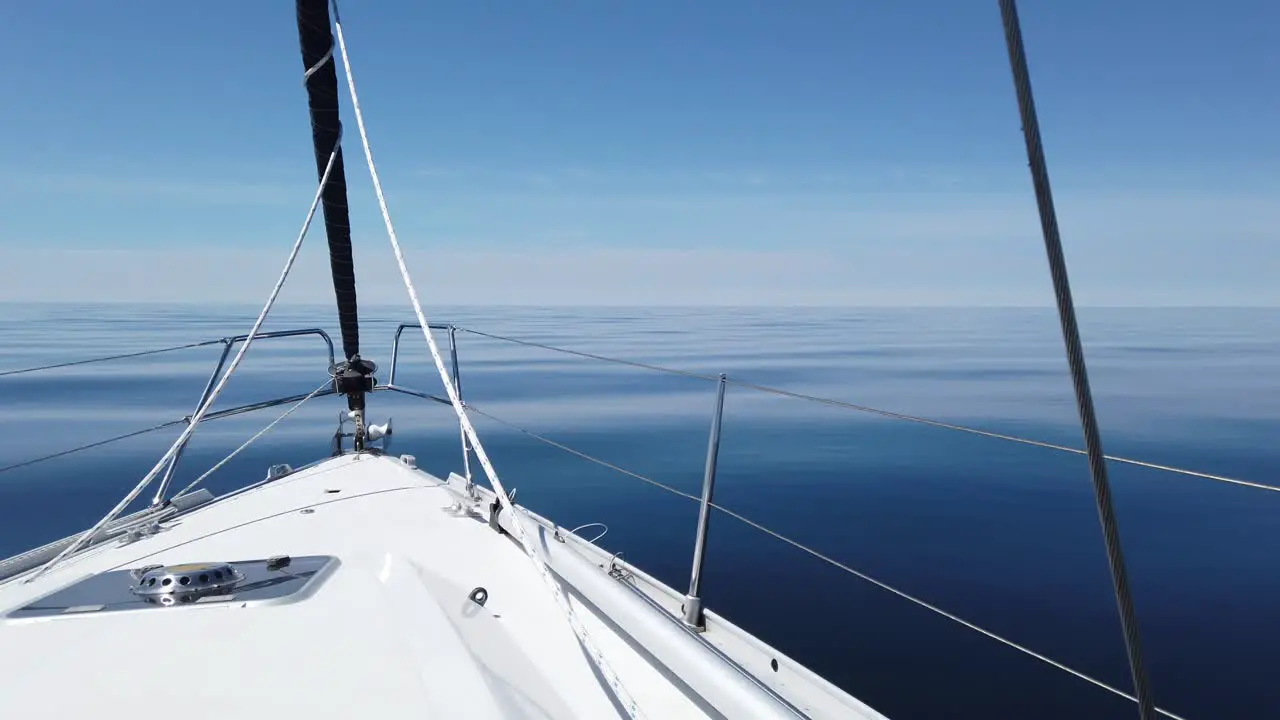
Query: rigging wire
(999, 436)
(584, 456)
(215, 415)
(1075, 358)
(95, 444)
(623, 698)
(200, 412)
(111, 357)
(591, 356)
(825, 558)
(882, 413)
(218, 465)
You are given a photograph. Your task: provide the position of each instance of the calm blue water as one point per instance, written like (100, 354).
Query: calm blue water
(1004, 535)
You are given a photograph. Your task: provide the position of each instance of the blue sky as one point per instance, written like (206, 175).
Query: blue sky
(652, 153)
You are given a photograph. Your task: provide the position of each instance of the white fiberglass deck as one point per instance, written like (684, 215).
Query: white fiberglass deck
(389, 633)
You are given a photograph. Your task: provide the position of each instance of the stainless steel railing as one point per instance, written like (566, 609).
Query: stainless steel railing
(692, 614)
(228, 344)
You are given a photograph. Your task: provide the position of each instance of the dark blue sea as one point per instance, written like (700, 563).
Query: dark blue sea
(1004, 535)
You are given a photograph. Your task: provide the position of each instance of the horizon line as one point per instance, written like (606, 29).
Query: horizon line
(604, 306)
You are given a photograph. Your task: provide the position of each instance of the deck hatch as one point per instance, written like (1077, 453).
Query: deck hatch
(264, 581)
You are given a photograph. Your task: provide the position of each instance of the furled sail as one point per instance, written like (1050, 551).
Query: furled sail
(316, 38)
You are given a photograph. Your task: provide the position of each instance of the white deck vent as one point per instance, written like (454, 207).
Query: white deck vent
(179, 583)
(153, 588)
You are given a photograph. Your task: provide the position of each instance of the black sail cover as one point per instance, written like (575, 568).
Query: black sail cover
(316, 38)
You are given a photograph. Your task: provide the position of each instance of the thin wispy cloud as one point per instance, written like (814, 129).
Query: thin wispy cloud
(188, 189)
(605, 157)
(869, 273)
(653, 177)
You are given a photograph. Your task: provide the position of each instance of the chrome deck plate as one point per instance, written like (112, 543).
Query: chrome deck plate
(115, 591)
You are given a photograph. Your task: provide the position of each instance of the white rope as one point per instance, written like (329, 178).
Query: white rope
(624, 698)
(252, 440)
(319, 64)
(213, 395)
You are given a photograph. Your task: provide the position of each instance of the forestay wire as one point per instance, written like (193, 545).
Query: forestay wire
(623, 697)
